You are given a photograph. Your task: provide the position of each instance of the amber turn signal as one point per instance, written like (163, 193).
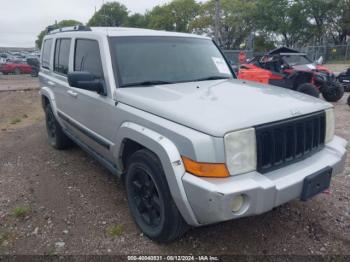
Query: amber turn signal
(205, 169)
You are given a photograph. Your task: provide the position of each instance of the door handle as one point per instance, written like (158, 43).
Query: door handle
(72, 93)
(51, 83)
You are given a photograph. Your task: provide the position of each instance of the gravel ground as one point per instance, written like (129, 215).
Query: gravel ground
(63, 202)
(337, 68)
(18, 82)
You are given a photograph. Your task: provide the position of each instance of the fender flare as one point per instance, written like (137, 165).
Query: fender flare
(47, 92)
(169, 157)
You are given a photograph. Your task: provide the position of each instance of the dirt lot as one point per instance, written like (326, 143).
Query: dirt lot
(337, 68)
(63, 202)
(21, 82)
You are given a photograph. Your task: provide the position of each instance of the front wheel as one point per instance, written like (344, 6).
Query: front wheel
(333, 92)
(309, 89)
(149, 198)
(349, 100)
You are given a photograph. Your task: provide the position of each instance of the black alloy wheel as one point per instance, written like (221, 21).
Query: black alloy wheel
(150, 202)
(146, 198)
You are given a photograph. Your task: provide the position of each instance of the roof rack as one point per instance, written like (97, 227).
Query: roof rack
(53, 30)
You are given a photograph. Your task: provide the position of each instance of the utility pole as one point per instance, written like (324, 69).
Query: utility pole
(217, 21)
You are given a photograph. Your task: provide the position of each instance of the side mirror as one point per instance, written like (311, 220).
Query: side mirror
(86, 81)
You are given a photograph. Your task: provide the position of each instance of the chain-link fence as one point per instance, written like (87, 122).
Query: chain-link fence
(337, 53)
(330, 54)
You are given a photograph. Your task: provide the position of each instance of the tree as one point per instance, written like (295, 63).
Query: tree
(237, 21)
(263, 43)
(183, 13)
(175, 16)
(319, 13)
(110, 14)
(160, 18)
(282, 18)
(339, 28)
(63, 23)
(137, 20)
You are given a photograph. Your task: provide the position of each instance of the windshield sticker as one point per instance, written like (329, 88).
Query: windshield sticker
(221, 65)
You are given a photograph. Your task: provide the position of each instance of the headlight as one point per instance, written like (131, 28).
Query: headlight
(240, 149)
(330, 125)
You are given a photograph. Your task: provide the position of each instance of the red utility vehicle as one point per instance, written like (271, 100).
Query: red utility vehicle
(15, 68)
(291, 69)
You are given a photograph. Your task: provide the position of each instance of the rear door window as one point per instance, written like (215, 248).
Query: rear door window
(62, 50)
(46, 54)
(87, 57)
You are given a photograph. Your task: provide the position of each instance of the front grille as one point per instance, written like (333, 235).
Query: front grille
(285, 142)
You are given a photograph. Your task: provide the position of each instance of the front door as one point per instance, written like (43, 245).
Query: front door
(92, 116)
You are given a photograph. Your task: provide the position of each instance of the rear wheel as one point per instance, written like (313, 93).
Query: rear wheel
(57, 138)
(149, 198)
(334, 92)
(309, 89)
(34, 73)
(347, 88)
(349, 100)
(17, 71)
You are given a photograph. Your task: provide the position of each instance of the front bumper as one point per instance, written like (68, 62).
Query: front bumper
(211, 199)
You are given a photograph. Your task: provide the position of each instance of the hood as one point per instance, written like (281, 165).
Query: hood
(312, 67)
(305, 67)
(324, 69)
(218, 107)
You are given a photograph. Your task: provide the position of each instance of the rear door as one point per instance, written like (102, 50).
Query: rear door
(59, 82)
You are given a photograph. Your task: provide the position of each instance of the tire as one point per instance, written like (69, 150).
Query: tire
(349, 100)
(309, 89)
(17, 71)
(347, 88)
(57, 138)
(34, 74)
(149, 198)
(334, 92)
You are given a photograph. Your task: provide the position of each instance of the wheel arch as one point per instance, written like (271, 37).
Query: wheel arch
(136, 137)
(47, 96)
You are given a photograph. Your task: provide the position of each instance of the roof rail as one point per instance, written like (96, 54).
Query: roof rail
(53, 30)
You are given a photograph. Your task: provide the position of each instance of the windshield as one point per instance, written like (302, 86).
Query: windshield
(163, 60)
(293, 60)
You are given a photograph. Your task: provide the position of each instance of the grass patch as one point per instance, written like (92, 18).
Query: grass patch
(115, 230)
(50, 252)
(15, 121)
(4, 239)
(21, 211)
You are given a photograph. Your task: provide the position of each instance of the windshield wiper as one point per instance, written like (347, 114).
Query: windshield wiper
(148, 83)
(210, 78)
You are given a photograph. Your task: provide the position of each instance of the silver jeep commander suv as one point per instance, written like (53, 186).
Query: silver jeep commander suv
(194, 145)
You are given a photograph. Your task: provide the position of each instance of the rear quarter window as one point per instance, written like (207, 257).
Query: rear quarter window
(46, 54)
(62, 50)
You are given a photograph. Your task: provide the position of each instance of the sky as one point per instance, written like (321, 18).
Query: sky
(22, 20)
